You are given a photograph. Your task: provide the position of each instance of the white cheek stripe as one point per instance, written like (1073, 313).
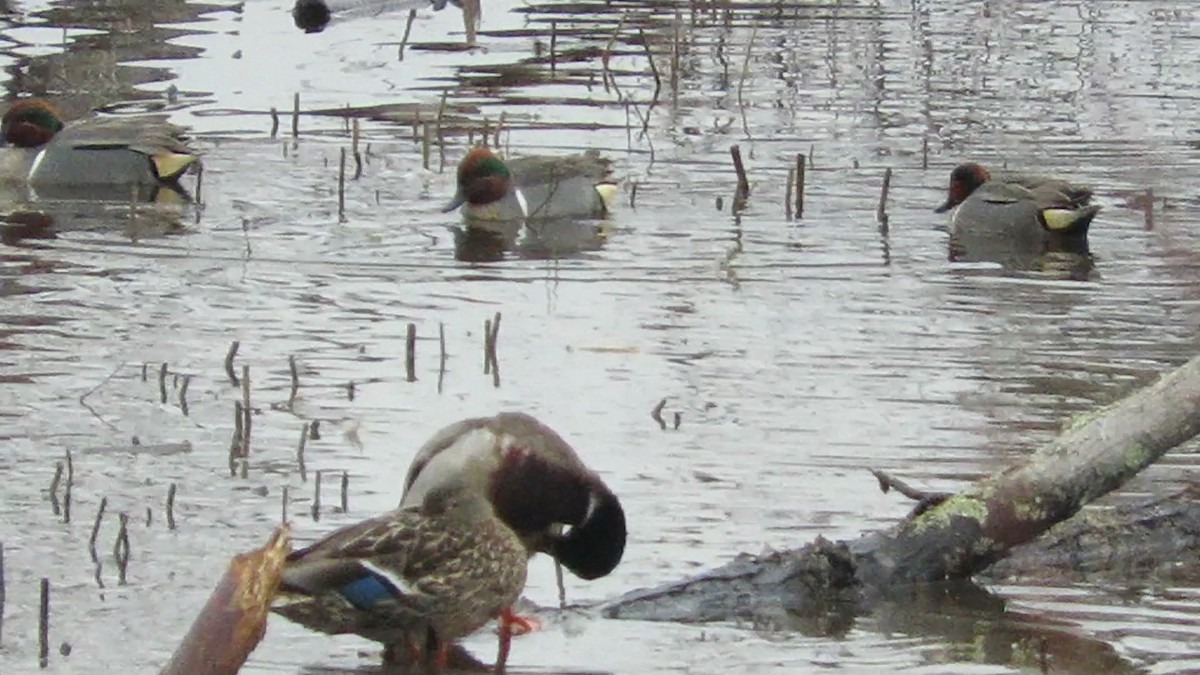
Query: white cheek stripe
(37, 161)
(523, 202)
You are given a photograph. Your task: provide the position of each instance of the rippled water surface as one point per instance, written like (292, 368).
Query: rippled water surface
(796, 352)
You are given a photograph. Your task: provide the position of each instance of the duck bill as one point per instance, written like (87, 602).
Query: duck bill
(457, 201)
(950, 203)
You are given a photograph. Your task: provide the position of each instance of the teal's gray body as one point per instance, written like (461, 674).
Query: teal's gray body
(552, 188)
(1004, 219)
(96, 152)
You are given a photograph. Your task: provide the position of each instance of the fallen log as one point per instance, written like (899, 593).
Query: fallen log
(952, 539)
(235, 616)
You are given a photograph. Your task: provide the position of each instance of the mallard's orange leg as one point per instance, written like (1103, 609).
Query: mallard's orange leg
(510, 625)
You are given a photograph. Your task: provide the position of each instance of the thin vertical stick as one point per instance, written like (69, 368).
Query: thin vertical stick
(924, 152)
(233, 350)
(283, 515)
(1148, 208)
(162, 383)
(342, 185)
(487, 346)
(787, 199)
(358, 163)
(743, 183)
(70, 484)
(345, 492)
(316, 504)
(441, 355)
(96, 528)
(183, 404)
(410, 353)
(800, 185)
(121, 548)
(171, 507)
(300, 452)
(296, 115)
(149, 516)
(412, 15)
(235, 444)
(44, 625)
(553, 46)
(274, 122)
(633, 194)
(295, 380)
(58, 472)
(881, 212)
(246, 417)
(426, 142)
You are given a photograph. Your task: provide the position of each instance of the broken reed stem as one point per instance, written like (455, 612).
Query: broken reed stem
(924, 152)
(70, 483)
(345, 491)
(284, 499)
(144, 372)
(426, 143)
(162, 383)
(149, 516)
(441, 355)
(96, 529)
(1148, 208)
(881, 212)
(800, 185)
(606, 74)
(553, 47)
(787, 199)
(316, 503)
(121, 548)
(743, 183)
(235, 444)
(58, 472)
(412, 15)
(171, 507)
(354, 136)
(295, 381)
(633, 194)
(296, 115)
(44, 625)
(678, 420)
(229, 356)
(487, 346)
(274, 122)
(183, 404)
(342, 185)
(246, 421)
(653, 68)
(300, 452)
(656, 414)
(410, 353)
(350, 390)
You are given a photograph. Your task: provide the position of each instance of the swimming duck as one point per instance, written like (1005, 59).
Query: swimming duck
(425, 573)
(538, 486)
(41, 150)
(532, 188)
(1015, 213)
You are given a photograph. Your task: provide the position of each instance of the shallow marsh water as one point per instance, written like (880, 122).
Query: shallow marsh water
(798, 353)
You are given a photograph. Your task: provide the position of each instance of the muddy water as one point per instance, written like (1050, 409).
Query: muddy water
(796, 353)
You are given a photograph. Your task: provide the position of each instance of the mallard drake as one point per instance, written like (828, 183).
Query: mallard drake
(532, 188)
(41, 150)
(433, 572)
(1014, 212)
(537, 483)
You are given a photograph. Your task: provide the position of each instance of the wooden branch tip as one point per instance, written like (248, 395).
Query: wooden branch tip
(234, 619)
(743, 183)
(304, 431)
(229, 356)
(162, 383)
(296, 115)
(96, 528)
(295, 373)
(171, 507)
(44, 624)
(410, 352)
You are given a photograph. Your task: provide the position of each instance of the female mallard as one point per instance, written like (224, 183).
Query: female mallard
(537, 485)
(532, 188)
(435, 571)
(41, 151)
(1012, 214)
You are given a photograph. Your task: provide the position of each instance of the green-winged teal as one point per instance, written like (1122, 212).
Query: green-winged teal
(430, 572)
(40, 150)
(538, 486)
(1014, 213)
(532, 188)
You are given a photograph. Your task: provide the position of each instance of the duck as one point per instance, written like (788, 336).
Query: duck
(531, 188)
(40, 150)
(1014, 213)
(414, 579)
(539, 487)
